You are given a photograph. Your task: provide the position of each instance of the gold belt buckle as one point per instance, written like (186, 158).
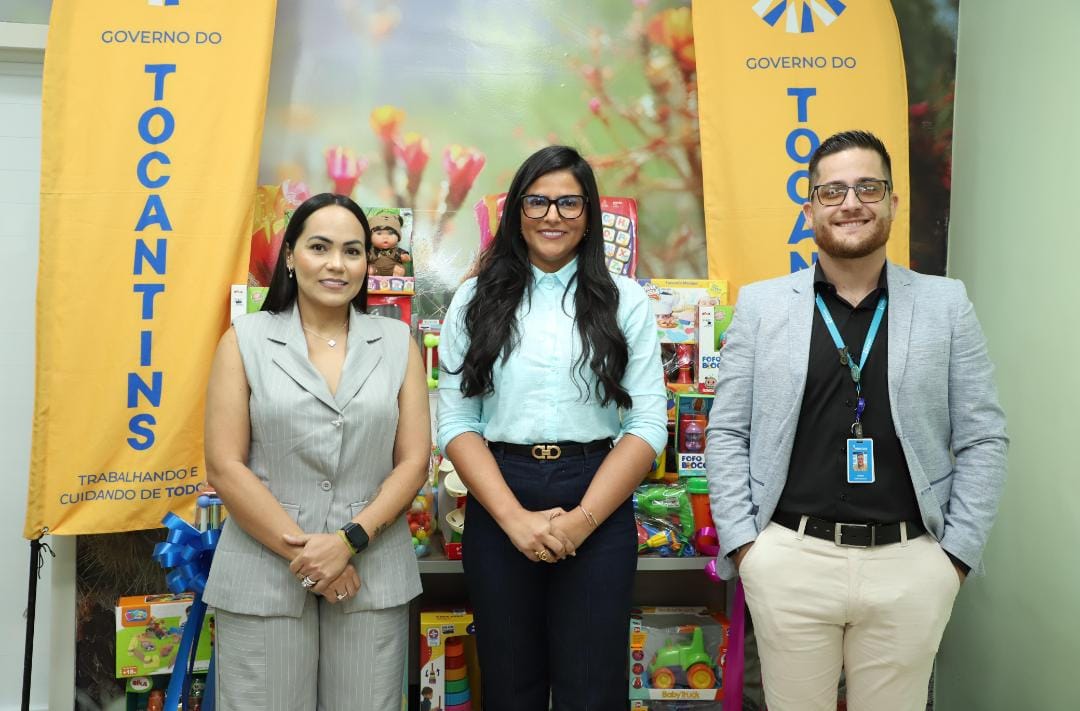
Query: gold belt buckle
(546, 451)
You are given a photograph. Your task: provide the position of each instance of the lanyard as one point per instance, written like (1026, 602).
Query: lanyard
(845, 357)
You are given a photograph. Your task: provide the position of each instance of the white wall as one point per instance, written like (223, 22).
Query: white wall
(21, 53)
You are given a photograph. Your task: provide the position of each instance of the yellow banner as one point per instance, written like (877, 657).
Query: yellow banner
(152, 114)
(775, 78)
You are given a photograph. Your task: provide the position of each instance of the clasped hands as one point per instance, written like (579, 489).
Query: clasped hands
(322, 559)
(547, 536)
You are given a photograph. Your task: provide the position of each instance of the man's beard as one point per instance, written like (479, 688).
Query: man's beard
(839, 248)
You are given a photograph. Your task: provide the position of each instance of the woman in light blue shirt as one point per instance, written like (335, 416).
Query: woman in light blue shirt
(552, 409)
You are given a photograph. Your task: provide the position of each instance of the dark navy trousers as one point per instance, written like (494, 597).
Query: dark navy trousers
(557, 628)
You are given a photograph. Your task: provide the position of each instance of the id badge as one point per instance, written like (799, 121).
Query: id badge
(860, 461)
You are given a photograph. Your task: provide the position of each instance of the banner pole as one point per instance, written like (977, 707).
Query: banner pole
(31, 614)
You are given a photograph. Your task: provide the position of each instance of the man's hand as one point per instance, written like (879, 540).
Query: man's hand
(740, 553)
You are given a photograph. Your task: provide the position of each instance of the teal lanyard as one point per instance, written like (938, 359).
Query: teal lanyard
(845, 357)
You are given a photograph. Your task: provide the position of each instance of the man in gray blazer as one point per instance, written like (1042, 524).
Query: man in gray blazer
(855, 451)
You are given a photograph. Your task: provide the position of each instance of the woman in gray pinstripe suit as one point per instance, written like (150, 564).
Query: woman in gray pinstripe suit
(317, 439)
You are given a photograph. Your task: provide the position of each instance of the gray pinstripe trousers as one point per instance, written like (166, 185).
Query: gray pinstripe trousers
(325, 660)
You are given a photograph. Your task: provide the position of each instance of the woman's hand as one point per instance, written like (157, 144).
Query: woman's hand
(323, 558)
(574, 527)
(532, 533)
(344, 587)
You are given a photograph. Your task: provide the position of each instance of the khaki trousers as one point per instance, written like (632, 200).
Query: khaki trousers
(878, 613)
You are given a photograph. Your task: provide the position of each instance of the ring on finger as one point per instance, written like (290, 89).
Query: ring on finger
(342, 596)
(542, 555)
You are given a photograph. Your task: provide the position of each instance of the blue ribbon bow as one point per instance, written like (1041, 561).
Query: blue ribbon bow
(186, 554)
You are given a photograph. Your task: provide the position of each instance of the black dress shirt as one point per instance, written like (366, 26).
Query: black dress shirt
(817, 476)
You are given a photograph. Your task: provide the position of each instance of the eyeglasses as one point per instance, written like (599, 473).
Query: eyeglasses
(569, 207)
(867, 191)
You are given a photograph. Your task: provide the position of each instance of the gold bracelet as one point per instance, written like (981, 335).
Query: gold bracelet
(341, 534)
(588, 516)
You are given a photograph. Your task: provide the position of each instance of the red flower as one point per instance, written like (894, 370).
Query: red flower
(385, 121)
(462, 165)
(917, 111)
(674, 28)
(414, 152)
(344, 168)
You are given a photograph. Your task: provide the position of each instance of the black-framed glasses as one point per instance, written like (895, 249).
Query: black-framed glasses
(569, 207)
(867, 191)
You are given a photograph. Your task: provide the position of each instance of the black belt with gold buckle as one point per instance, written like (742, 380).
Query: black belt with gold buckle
(552, 450)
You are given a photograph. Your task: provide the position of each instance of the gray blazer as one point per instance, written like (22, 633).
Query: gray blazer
(944, 407)
(322, 456)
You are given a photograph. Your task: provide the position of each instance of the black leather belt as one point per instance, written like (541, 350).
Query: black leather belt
(860, 535)
(551, 450)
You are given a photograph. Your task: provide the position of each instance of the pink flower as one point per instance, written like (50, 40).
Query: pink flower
(294, 193)
(413, 150)
(594, 105)
(593, 77)
(462, 165)
(344, 168)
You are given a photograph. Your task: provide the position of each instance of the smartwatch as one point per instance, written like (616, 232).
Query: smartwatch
(356, 535)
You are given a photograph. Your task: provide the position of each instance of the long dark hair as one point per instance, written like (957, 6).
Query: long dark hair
(282, 292)
(504, 276)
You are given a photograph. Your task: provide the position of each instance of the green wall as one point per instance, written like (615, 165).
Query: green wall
(1014, 639)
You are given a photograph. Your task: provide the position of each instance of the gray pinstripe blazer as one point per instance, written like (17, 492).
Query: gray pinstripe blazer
(322, 456)
(944, 408)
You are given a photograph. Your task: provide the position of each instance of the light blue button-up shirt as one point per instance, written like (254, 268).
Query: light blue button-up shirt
(539, 394)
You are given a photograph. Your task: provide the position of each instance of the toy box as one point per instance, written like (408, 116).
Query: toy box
(449, 672)
(691, 418)
(677, 654)
(148, 630)
(391, 306)
(617, 215)
(675, 303)
(712, 323)
(391, 284)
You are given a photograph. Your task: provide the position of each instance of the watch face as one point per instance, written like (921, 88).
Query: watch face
(357, 536)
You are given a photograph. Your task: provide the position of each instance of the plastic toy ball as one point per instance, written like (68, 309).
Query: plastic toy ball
(203, 501)
(431, 340)
(415, 541)
(421, 551)
(421, 535)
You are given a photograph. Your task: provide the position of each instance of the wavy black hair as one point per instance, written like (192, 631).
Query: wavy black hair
(282, 292)
(504, 276)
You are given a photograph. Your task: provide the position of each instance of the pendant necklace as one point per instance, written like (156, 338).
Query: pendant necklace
(329, 341)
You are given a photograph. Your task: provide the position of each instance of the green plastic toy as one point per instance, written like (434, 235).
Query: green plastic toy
(674, 660)
(666, 501)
